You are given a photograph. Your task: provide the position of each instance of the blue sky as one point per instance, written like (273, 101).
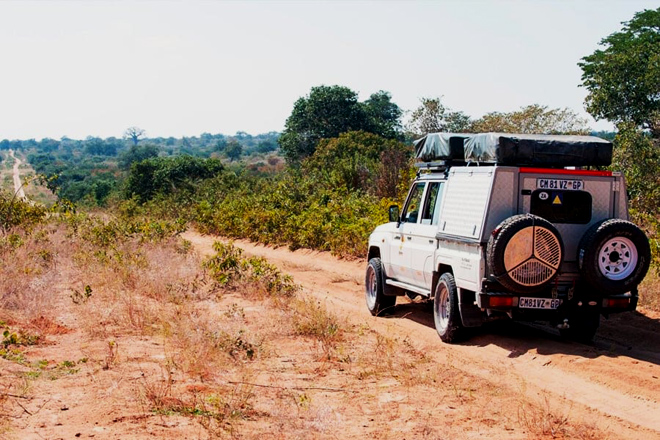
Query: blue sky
(183, 68)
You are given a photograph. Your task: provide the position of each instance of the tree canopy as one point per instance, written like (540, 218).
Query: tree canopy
(233, 150)
(623, 78)
(532, 119)
(134, 134)
(163, 175)
(329, 111)
(433, 117)
(137, 153)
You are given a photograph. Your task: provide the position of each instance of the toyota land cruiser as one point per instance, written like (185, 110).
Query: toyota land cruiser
(524, 226)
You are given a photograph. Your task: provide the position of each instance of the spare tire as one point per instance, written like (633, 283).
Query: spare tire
(614, 256)
(524, 253)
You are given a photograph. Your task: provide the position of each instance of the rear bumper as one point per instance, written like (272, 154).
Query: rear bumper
(508, 302)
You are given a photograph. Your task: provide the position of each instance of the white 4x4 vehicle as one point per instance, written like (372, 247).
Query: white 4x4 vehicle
(515, 225)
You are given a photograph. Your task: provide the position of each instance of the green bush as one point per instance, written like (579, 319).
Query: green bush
(16, 212)
(229, 268)
(165, 175)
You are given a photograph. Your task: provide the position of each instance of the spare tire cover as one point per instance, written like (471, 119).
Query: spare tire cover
(524, 253)
(614, 256)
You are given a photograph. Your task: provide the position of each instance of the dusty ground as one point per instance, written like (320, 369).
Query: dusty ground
(617, 380)
(512, 382)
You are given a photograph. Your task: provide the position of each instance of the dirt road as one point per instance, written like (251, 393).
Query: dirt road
(18, 185)
(616, 379)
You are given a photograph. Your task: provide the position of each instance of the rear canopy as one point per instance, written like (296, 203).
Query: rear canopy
(516, 149)
(441, 146)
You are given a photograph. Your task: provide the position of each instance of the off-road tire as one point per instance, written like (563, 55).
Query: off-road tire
(614, 256)
(446, 314)
(377, 302)
(524, 253)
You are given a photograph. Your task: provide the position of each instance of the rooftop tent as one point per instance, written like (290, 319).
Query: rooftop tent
(538, 150)
(440, 146)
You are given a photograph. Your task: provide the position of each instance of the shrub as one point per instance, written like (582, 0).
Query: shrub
(15, 212)
(230, 269)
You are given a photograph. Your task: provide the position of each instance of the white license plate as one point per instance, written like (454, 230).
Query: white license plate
(538, 303)
(562, 184)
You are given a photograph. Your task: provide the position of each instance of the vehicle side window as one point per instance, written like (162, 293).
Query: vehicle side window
(411, 212)
(431, 203)
(438, 203)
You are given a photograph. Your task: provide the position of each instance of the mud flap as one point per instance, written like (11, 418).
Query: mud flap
(471, 314)
(389, 290)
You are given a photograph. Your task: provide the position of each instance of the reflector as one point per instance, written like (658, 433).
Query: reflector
(500, 301)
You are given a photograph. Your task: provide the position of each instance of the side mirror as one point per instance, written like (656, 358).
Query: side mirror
(394, 213)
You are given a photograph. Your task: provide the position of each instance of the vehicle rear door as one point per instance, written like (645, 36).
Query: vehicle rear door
(421, 240)
(572, 200)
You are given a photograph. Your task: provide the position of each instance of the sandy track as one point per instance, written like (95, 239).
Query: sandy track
(18, 185)
(617, 379)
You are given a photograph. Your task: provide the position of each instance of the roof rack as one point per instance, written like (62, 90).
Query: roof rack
(439, 165)
(435, 166)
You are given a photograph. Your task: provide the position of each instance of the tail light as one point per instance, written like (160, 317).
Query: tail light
(616, 303)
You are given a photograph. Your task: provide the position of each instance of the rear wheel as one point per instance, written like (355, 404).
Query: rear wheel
(377, 302)
(445, 309)
(614, 256)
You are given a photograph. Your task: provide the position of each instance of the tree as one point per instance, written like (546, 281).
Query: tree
(623, 78)
(325, 113)
(134, 134)
(266, 146)
(233, 150)
(98, 147)
(384, 116)
(329, 111)
(433, 117)
(636, 154)
(137, 153)
(48, 144)
(220, 145)
(354, 160)
(165, 175)
(532, 119)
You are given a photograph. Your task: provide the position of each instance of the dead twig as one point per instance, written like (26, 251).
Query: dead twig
(15, 396)
(341, 390)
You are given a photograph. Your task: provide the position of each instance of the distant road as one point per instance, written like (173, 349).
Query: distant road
(18, 185)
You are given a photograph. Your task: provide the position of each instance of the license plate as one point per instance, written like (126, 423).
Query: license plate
(538, 303)
(562, 184)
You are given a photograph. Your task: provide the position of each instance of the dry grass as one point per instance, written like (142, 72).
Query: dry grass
(649, 291)
(28, 273)
(246, 359)
(543, 420)
(312, 319)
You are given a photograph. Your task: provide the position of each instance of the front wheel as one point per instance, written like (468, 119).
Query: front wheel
(377, 302)
(445, 309)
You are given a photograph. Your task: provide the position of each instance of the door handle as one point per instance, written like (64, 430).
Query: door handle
(431, 241)
(397, 237)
